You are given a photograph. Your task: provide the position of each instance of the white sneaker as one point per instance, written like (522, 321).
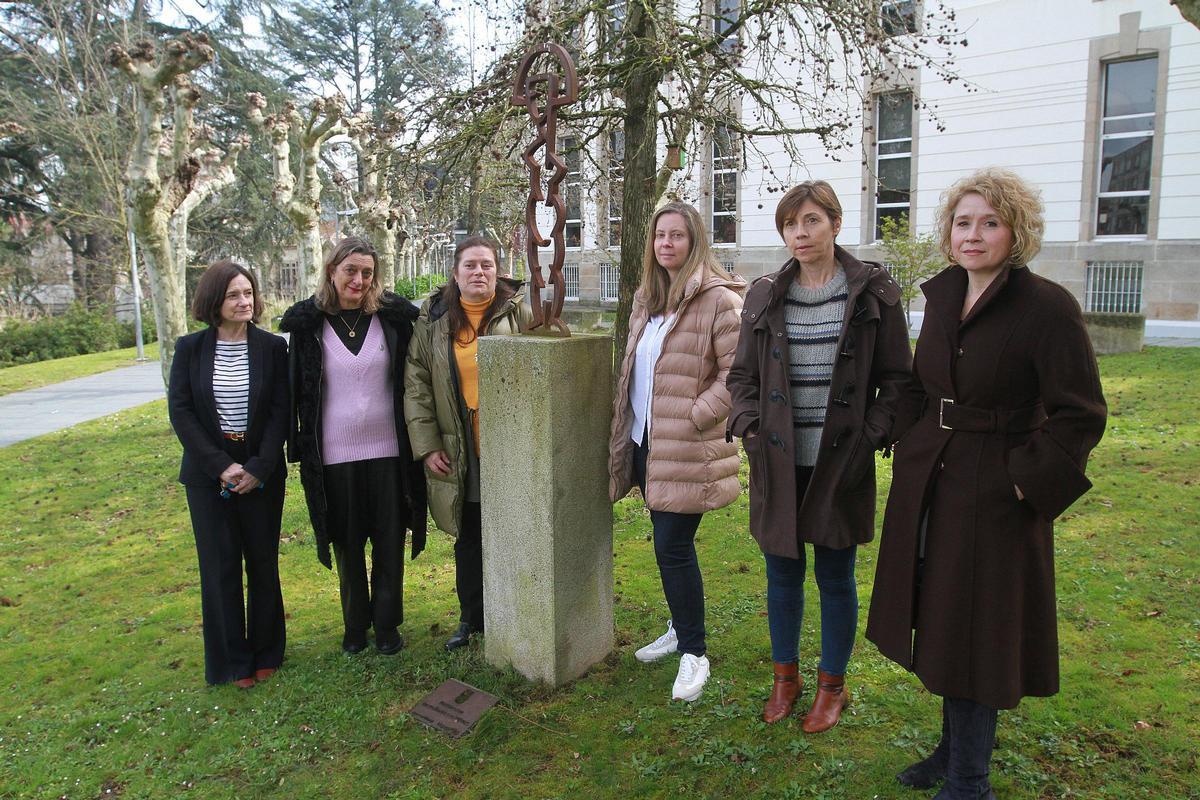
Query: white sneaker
(662, 646)
(689, 683)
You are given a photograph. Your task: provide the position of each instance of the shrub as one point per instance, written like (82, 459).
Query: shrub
(419, 287)
(74, 333)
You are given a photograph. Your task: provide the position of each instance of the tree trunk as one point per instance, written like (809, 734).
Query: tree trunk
(639, 194)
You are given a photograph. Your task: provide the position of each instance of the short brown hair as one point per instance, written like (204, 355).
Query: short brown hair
(214, 283)
(1016, 202)
(820, 192)
(326, 296)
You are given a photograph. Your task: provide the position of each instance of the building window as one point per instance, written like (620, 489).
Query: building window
(725, 14)
(898, 17)
(568, 147)
(616, 170)
(610, 282)
(1126, 147)
(289, 281)
(611, 28)
(893, 157)
(1114, 287)
(724, 186)
(570, 281)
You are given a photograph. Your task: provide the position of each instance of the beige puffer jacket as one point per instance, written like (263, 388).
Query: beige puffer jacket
(691, 468)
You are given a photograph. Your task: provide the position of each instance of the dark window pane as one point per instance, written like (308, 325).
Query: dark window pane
(1125, 165)
(897, 214)
(1130, 87)
(724, 230)
(727, 12)
(1135, 125)
(722, 142)
(614, 233)
(899, 16)
(895, 116)
(902, 146)
(1122, 216)
(573, 234)
(569, 154)
(894, 181)
(616, 147)
(724, 192)
(571, 195)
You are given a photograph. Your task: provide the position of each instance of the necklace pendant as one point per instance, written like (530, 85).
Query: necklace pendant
(352, 334)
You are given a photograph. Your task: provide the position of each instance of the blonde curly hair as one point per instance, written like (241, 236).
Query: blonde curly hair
(1015, 201)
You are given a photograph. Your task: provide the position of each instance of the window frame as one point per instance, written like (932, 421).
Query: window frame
(730, 166)
(911, 21)
(572, 181)
(616, 183)
(877, 157)
(1151, 134)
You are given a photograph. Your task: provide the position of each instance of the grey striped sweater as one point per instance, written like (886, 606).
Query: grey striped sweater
(814, 322)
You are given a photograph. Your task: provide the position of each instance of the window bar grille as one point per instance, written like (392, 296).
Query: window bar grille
(1114, 287)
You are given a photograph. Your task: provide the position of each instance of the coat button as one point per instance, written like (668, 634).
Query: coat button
(775, 440)
(775, 353)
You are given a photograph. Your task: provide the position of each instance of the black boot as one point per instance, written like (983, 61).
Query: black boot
(972, 736)
(461, 637)
(389, 643)
(929, 772)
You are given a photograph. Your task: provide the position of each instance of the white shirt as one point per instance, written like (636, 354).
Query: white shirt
(641, 387)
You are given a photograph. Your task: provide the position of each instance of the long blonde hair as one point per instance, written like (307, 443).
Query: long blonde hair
(659, 294)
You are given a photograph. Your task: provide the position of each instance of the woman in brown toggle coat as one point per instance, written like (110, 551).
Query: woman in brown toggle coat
(994, 436)
(822, 359)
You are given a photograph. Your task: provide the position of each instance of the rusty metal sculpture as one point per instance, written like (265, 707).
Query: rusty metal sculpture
(542, 94)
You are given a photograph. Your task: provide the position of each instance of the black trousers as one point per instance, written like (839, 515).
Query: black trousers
(365, 505)
(238, 639)
(678, 568)
(468, 566)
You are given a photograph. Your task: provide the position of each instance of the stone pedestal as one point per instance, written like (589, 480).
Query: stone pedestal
(545, 405)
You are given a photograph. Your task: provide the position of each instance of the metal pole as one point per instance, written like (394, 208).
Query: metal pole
(137, 297)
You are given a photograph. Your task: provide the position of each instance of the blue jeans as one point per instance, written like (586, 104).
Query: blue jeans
(675, 551)
(834, 571)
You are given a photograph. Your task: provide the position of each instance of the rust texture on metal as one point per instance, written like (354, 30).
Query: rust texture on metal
(542, 94)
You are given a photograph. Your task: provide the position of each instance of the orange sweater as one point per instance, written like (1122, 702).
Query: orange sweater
(466, 355)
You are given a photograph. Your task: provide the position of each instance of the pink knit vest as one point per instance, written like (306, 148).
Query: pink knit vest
(358, 420)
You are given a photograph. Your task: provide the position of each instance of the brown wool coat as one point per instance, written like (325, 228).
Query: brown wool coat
(983, 607)
(868, 377)
(691, 467)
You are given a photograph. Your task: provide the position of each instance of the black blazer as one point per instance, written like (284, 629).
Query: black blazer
(193, 410)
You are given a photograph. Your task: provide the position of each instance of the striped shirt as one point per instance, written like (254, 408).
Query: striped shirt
(231, 385)
(814, 320)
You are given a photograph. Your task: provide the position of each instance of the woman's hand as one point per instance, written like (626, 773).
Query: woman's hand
(232, 474)
(438, 462)
(248, 483)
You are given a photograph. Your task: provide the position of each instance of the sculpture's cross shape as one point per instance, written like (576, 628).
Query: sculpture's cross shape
(541, 95)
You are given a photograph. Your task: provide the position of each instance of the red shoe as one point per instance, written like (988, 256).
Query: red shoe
(261, 675)
(244, 683)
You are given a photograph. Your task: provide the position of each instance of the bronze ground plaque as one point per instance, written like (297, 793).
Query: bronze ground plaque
(454, 707)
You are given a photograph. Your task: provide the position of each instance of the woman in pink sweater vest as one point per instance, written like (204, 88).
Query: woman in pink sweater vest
(349, 342)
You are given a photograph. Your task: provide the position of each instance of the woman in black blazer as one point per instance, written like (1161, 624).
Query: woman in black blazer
(228, 402)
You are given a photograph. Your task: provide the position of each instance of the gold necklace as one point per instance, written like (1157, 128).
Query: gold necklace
(350, 327)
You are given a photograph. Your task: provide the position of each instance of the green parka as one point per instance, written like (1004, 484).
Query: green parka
(433, 406)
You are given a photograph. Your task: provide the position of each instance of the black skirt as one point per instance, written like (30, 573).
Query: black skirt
(365, 497)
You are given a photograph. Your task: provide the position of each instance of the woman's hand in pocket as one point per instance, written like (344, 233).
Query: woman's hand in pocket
(438, 463)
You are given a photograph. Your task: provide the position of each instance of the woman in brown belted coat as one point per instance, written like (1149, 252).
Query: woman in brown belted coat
(994, 436)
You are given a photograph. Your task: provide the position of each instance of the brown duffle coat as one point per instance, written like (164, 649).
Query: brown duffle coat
(873, 365)
(1010, 396)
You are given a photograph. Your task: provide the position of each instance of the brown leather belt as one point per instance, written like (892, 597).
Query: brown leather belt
(955, 417)
(236, 436)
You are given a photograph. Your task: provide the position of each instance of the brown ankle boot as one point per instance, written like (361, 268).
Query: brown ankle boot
(783, 693)
(828, 703)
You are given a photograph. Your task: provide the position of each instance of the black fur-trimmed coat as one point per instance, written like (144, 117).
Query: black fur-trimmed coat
(304, 321)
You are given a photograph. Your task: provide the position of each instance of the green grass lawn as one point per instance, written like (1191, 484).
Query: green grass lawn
(43, 373)
(102, 691)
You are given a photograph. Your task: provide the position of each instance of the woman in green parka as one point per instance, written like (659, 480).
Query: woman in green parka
(441, 406)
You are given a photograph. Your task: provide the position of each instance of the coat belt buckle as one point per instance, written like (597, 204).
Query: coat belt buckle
(942, 413)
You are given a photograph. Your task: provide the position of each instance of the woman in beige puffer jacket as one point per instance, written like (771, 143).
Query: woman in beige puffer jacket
(668, 431)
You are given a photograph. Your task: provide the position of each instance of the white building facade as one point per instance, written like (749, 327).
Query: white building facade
(1097, 102)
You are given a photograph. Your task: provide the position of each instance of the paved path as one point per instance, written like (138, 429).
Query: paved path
(1172, 342)
(24, 415)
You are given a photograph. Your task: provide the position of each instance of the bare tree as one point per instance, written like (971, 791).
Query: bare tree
(161, 195)
(782, 71)
(1190, 9)
(376, 145)
(298, 193)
